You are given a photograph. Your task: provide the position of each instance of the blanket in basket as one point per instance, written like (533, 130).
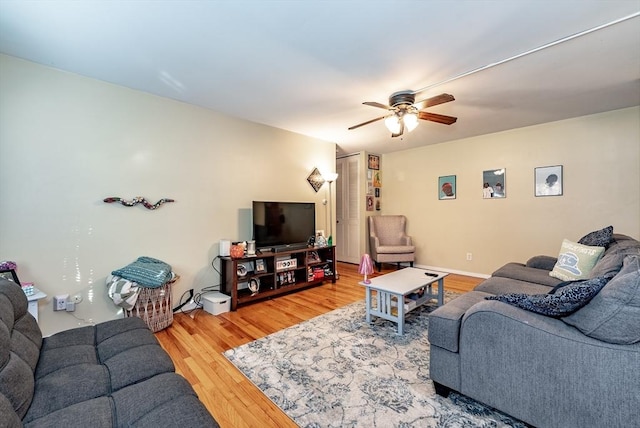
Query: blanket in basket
(146, 272)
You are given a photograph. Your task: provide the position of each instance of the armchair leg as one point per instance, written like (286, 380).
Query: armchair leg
(411, 264)
(379, 266)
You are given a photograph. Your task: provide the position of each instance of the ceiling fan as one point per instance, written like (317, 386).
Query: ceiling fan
(405, 112)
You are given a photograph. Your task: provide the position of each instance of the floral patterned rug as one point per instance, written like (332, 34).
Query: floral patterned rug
(336, 370)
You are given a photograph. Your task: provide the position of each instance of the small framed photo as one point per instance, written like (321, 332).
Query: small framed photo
(9, 275)
(260, 266)
(377, 179)
(374, 162)
(494, 183)
(548, 180)
(447, 187)
(370, 203)
(377, 192)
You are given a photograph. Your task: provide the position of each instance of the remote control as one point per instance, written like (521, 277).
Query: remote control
(431, 274)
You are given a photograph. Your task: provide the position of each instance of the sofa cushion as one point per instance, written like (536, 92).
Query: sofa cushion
(564, 301)
(502, 285)
(598, 238)
(613, 315)
(94, 413)
(20, 340)
(169, 401)
(395, 249)
(66, 387)
(444, 322)
(10, 418)
(611, 262)
(527, 274)
(542, 262)
(575, 261)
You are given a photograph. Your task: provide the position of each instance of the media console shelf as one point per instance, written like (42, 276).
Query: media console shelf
(268, 274)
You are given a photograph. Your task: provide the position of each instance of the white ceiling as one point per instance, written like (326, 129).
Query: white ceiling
(307, 66)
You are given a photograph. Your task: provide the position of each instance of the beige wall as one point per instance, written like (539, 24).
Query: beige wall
(601, 159)
(67, 142)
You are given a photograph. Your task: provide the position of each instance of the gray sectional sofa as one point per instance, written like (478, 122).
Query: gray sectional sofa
(580, 369)
(113, 374)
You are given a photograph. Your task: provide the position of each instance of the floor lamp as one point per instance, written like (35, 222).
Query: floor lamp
(330, 178)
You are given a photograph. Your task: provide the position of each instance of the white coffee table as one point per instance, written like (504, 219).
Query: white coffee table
(392, 288)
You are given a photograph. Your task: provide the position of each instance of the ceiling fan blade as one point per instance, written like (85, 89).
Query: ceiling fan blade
(434, 101)
(367, 122)
(439, 118)
(375, 104)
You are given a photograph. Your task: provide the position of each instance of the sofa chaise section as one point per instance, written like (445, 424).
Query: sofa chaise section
(577, 370)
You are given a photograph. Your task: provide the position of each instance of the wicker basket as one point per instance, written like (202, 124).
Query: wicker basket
(154, 307)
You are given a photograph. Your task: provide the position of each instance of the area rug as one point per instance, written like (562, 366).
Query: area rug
(336, 370)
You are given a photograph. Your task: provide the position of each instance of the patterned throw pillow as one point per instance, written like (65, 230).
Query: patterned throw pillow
(575, 261)
(565, 301)
(598, 238)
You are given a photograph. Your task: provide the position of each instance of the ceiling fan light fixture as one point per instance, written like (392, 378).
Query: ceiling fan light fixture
(392, 123)
(410, 121)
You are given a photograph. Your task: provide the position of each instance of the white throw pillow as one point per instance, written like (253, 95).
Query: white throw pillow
(575, 261)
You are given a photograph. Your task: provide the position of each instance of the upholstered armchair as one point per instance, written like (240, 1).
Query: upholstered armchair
(388, 240)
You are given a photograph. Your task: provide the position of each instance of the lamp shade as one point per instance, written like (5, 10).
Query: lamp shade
(330, 176)
(410, 121)
(393, 124)
(366, 267)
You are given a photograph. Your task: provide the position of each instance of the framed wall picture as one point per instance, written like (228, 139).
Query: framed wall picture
(494, 183)
(9, 275)
(377, 179)
(369, 203)
(374, 162)
(447, 187)
(548, 180)
(315, 179)
(377, 192)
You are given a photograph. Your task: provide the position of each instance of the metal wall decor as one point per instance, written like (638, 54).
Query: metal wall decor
(138, 200)
(315, 179)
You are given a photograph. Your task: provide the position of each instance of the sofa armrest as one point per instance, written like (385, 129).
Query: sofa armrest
(550, 374)
(542, 262)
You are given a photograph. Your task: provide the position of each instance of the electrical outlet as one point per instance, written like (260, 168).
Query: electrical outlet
(60, 302)
(469, 256)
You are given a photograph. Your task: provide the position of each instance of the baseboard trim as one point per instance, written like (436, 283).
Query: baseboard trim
(457, 272)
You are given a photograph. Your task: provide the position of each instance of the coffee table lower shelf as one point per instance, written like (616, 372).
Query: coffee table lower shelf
(383, 294)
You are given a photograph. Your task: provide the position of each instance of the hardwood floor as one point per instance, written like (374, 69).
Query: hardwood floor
(197, 340)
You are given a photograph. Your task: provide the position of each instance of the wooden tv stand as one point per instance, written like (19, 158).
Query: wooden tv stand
(298, 269)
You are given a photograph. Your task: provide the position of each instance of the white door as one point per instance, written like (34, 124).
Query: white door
(348, 209)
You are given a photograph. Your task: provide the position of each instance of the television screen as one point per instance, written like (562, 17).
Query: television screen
(277, 224)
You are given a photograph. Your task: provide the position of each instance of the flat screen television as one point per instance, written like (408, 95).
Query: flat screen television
(282, 225)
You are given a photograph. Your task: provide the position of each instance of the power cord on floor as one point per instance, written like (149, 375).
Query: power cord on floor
(196, 298)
